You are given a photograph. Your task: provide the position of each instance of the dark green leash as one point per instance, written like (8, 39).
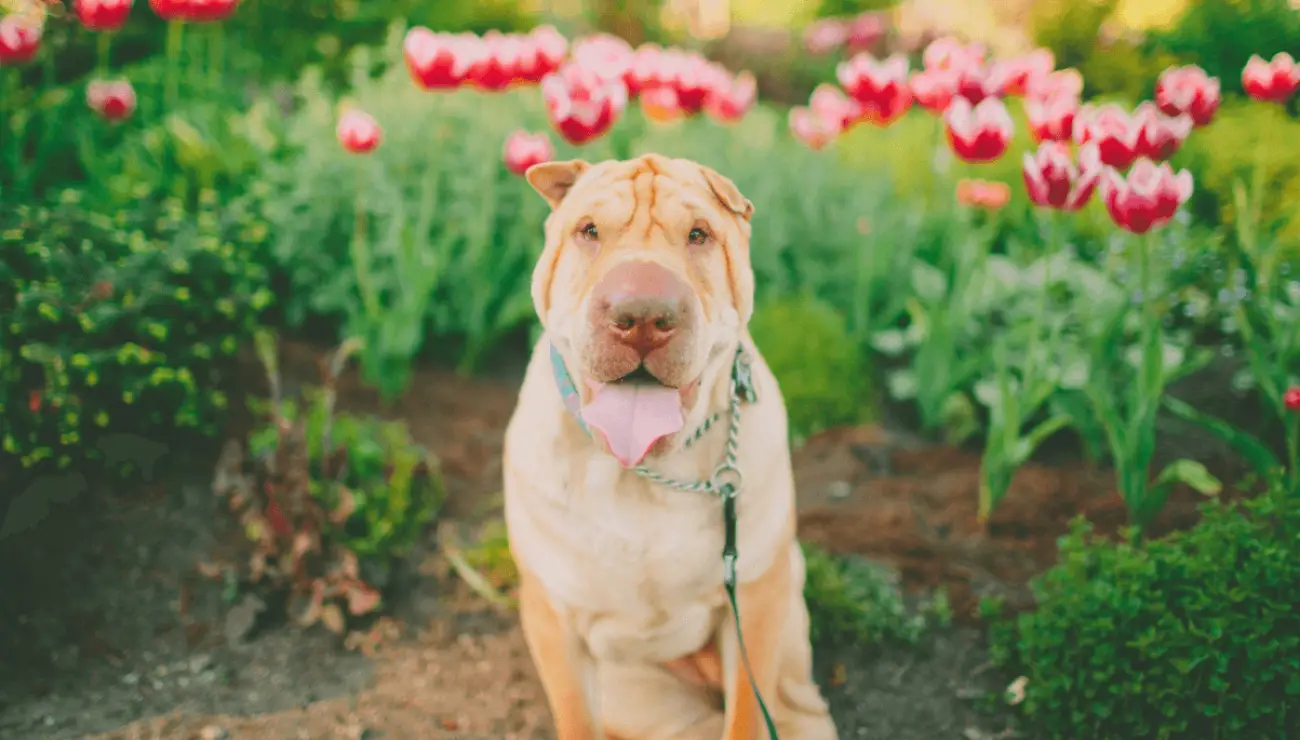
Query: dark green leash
(724, 483)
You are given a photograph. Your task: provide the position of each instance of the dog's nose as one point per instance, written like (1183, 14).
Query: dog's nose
(641, 305)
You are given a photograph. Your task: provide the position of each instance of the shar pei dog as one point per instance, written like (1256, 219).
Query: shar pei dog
(648, 490)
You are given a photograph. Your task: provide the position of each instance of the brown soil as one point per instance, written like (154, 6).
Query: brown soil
(105, 629)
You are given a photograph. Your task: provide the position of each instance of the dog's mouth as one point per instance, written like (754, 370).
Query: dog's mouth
(634, 412)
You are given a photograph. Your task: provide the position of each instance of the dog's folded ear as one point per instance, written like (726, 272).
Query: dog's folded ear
(553, 180)
(726, 191)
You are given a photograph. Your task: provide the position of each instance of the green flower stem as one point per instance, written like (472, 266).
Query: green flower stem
(360, 252)
(9, 107)
(103, 48)
(216, 55)
(171, 77)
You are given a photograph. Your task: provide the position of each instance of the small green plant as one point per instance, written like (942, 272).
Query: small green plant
(1196, 635)
(331, 501)
(823, 375)
(121, 322)
(853, 601)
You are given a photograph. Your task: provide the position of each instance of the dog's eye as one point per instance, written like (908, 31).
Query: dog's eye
(697, 236)
(588, 231)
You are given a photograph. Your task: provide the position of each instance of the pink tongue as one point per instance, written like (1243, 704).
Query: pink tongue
(631, 418)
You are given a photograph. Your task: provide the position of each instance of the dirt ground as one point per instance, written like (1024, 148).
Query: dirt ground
(107, 632)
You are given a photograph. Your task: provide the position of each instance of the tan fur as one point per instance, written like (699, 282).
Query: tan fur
(622, 600)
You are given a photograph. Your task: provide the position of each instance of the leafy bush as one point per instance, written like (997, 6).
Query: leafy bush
(1192, 636)
(331, 501)
(853, 601)
(1221, 35)
(820, 368)
(122, 322)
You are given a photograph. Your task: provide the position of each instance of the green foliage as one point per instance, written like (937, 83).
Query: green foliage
(1192, 636)
(1221, 35)
(841, 8)
(121, 322)
(853, 601)
(819, 366)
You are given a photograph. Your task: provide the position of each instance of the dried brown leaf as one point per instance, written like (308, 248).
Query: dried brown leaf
(362, 598)
(347, 504)
(207, 569)
(257, 567)
(332, 617)
(312, 613)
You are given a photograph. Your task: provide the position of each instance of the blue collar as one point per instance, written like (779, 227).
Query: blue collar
(568, 391)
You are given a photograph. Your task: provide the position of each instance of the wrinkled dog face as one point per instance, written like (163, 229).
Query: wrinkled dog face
(645, 284)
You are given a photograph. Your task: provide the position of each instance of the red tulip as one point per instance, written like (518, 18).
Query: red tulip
(1159, 136)
(1274, 81)
(544, 50)
(1054, 181)
(949, 53)
(171, 10)
(102, 15)
(864, 31)
(1051, 119)
(650, 66)
(836, 111)
(1188, 91)
(1061, 83)
(880, 88)
(1147, 198)
(358, 132)
(1020, 74)
(934, 88)
(661, 104)
(209, 11)
(1291, 399)
(500, 63)
(20, 39)
(811, 128)
(1114, 130)
(582, 103)
(985, 194)
(114, 101)
(607, 56)
(978, 133)
(439, 61)
(697, 78)
(523, 150)
(730, 102)
(975, 82)
(825, 36)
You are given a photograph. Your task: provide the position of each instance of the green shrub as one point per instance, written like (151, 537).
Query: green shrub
(1193, 636)
(853, 601)
(821, 369)
(1221, 35)
(120, 323)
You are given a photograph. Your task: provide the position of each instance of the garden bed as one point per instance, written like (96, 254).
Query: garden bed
(151, 650)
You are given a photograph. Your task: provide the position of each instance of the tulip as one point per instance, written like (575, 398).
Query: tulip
(811, 128)
(661, 104)
(583, 103)
(933, 89)
(1053, 180)
(697, 78)
(20, 39)
(1291, 399)
(1022, 73)
(836, 111)
(523, 150)
(1159, 136)
(880, 88)
(864, 31)
(1188, 91)
(439, 61)
(1147, 198)
(112, 100)
(102, 15)
(730, 102)
(650, 66)
(1051, 119)
(1114, 131)
(607, 56)
(545, 49)
(975, 82)
(984, 194)
(978, 133)
(825, 36)
(947, 53)
(499, 63)
(209, 11)
(358, 132)
(1061, 83)
(1273, 82)
(171, 10)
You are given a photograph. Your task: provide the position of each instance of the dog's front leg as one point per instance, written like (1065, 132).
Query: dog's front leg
(763, 606)
(557, 656)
